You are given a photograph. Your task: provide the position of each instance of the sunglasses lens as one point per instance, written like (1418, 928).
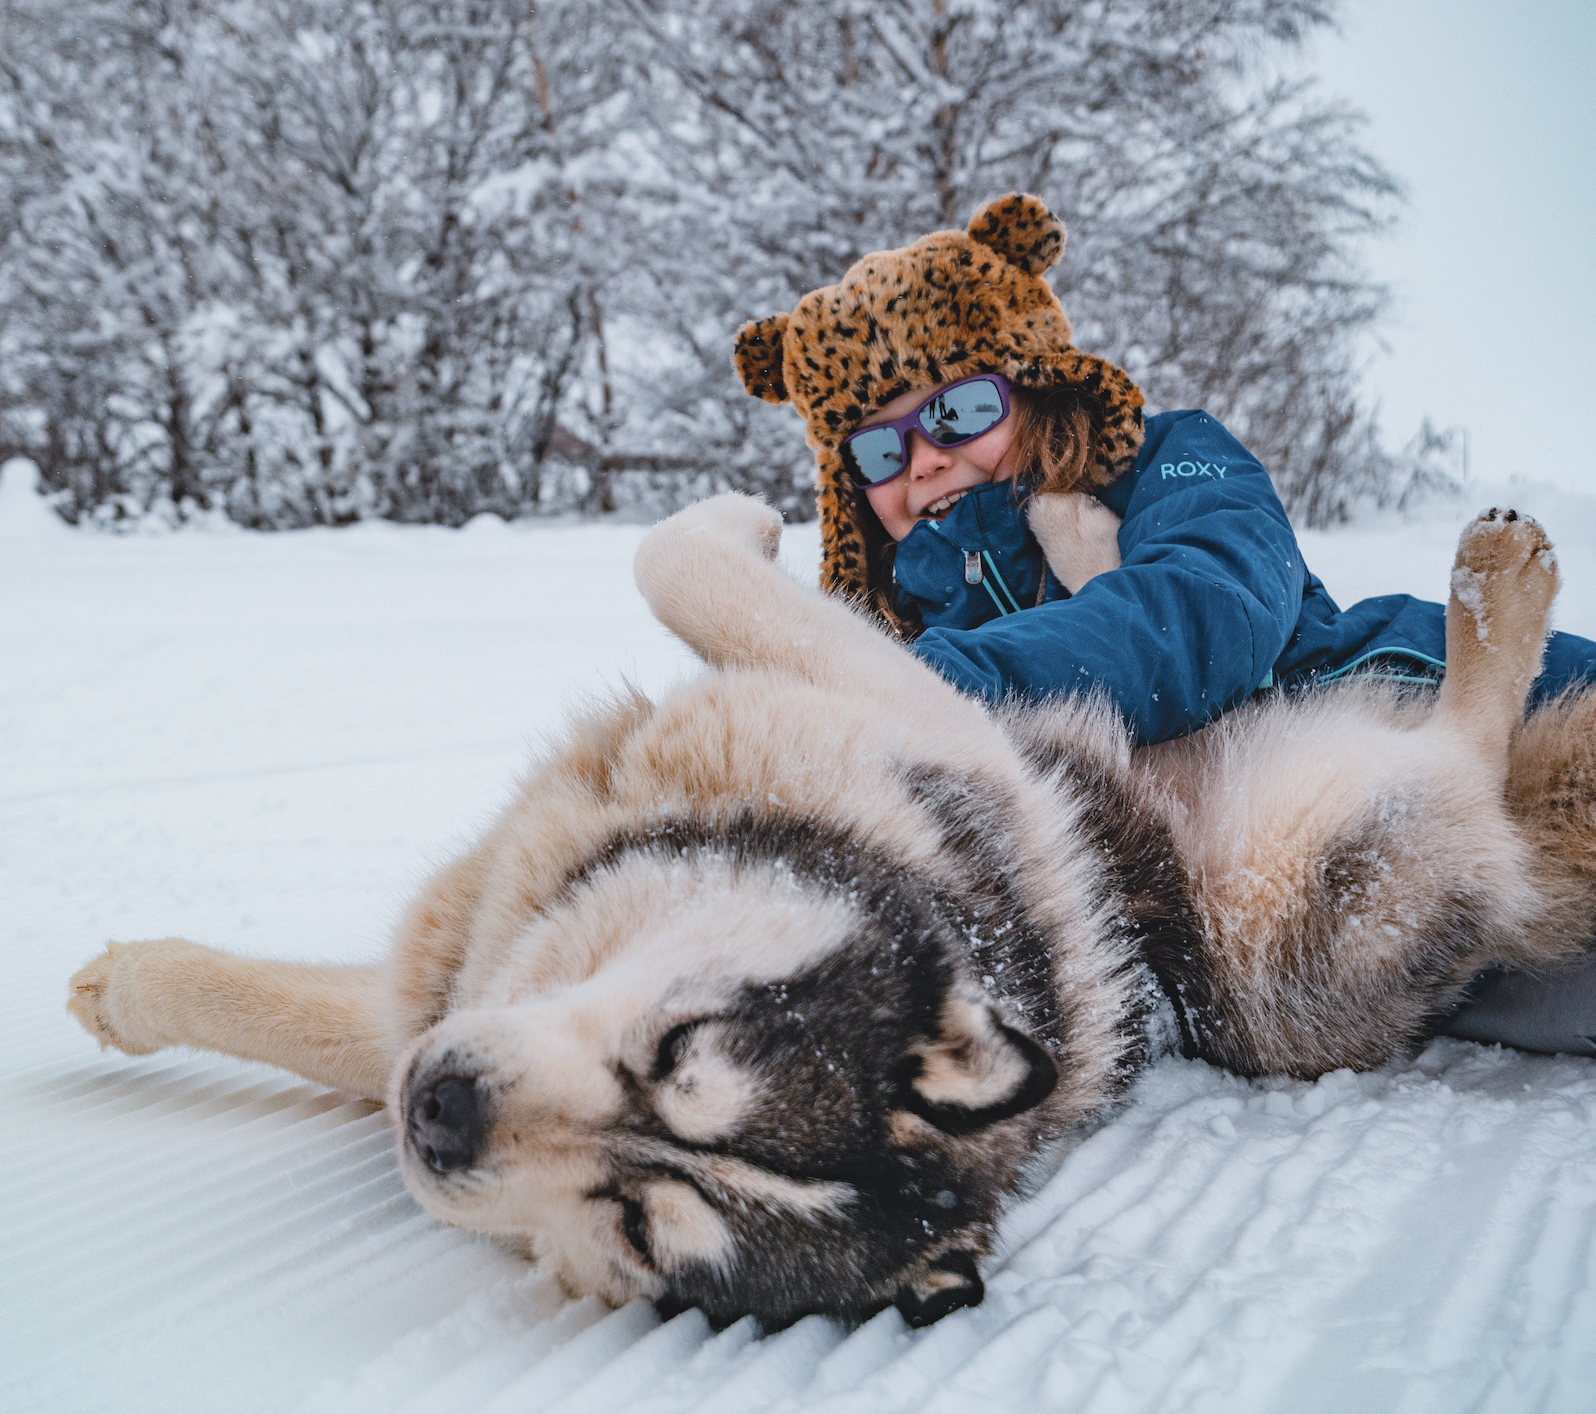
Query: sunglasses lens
(962, 412)
(877, 454)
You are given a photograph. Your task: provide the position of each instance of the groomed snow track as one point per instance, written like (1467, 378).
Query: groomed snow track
(264, 742)
(208, 1235)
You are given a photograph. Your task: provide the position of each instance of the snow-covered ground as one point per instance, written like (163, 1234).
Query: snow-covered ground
(264, 742)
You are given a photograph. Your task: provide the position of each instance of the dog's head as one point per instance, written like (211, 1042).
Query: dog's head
(751, 1074)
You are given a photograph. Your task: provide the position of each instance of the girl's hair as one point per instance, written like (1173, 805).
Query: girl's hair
(1052, 437)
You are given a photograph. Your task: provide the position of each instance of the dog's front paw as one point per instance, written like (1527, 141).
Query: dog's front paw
(1078, 534)
(687, 565)
(104, 997)
(745, 520)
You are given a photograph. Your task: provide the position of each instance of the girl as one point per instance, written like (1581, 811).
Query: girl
(956, 429)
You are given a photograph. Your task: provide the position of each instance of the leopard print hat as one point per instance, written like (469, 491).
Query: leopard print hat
(952, 304)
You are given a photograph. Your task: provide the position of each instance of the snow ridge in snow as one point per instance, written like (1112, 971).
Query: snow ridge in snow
(265, 743)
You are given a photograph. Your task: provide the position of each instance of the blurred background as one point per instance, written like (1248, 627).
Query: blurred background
(1487, 114)
(307, 262)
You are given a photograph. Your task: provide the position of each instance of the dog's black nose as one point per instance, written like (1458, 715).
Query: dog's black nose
(445, 1122)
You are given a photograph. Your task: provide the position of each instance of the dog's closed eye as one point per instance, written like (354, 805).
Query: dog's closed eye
(634, 1228)
(673, 1045)
(701, 1093)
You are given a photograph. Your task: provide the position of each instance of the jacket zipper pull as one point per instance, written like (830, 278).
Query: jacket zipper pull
(972, 566)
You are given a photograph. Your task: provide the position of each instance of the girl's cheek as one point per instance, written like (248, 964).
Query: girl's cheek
(1006, 462)
(891, 506)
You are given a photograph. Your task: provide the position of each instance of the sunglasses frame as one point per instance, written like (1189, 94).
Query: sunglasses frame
(910, 422)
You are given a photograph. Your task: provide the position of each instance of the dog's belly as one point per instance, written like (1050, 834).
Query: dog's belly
(1352, 865)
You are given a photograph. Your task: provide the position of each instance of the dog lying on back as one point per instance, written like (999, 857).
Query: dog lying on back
(767, 997)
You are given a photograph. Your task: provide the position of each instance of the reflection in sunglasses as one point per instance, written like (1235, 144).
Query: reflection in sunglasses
(940, 418)
(956, 414)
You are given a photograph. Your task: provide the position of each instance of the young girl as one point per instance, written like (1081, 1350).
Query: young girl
(955, 427)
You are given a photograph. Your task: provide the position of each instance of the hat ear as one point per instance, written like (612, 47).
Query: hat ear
(976, 1072)
(1020, 229)
(757, 357)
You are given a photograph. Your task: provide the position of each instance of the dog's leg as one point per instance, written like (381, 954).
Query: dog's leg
(707, 575)
(1551, 785)
(1551, 792)
(1354, 871)
(1502, 587)
(329, 1024)
(1078, 534)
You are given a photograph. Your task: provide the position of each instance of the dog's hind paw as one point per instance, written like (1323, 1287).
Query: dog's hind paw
(103, 999)
(1503, 581)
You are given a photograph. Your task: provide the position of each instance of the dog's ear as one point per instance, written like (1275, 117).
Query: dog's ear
(757, 357)
(944, 1285)
(977, 1071)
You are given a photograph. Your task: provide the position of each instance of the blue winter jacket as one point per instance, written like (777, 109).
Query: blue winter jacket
(1212, 600)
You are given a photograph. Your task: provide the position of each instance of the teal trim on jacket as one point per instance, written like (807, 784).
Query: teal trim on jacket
(1212, 599)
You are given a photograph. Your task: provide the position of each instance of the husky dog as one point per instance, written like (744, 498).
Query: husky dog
(765, 998)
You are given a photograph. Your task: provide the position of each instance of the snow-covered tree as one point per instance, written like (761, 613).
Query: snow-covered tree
(413, 189)
(1215, 211)
(312, 260)
(109, 170)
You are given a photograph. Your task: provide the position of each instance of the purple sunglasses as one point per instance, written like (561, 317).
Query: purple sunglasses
(959, 412)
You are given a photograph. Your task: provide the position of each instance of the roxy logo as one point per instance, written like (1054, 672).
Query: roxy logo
(1170, 469)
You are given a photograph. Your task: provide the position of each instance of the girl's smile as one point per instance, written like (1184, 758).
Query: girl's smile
(937, 477)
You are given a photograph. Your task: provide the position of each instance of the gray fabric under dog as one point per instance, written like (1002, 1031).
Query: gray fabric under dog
(1553, 1014)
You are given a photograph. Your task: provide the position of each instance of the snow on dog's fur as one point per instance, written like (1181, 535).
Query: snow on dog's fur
(767, 997)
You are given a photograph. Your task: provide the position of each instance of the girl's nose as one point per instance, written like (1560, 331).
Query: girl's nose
(925, 457)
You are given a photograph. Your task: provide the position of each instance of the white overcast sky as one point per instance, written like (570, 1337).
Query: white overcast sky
(1486, 110)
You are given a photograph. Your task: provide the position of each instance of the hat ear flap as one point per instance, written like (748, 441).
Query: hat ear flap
(1020, 229)
(757, 357)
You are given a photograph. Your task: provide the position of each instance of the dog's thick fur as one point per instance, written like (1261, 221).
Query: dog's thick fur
(766, 997)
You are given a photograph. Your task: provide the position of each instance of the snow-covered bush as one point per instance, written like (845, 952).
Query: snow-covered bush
(307, 261)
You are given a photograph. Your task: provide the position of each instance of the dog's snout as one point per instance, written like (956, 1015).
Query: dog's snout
(445, 1122)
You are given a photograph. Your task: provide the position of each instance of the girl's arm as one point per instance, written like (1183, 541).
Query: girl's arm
(1206, 597)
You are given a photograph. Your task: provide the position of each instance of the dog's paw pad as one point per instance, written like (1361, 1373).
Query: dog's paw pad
(1502, 539)
(1505, 577)
(1503, 545)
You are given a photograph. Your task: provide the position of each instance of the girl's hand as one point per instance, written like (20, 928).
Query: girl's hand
(1078, 534)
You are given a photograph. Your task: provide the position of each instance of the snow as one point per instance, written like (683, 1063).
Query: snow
(264, 742)
(1468, 588)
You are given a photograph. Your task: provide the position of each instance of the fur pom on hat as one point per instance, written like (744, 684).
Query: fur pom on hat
(952, 304)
